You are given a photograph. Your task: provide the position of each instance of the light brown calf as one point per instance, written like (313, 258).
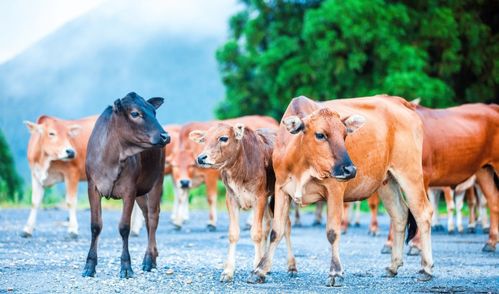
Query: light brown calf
(244, 159)
(56, 153)
(345, 150)
(187, 175)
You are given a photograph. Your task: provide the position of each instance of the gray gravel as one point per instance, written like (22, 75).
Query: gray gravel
(49, 262)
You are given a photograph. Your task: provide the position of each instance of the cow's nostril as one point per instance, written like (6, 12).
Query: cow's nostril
(70, 153)
(185, 183)
(201, 159)
(165, 137)
(349, 170)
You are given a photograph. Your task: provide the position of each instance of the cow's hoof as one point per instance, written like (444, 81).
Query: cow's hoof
(134, 234)
(211, 228)
(461, 231)
(88, 271)
(413, 251)
(316, 223)
(126, 272)
(335, 281)
(148, 264)
(343, 232)
(424, 276)
(226, 277)
(73, 236)
(372, 233)
(357, 225)
(177, 227)
(247, 227)
(292, 273)
(486, 230)
(297, 225)
(386, 249)
(488, 248)
(471, 230)
(451, 232)
(26, 234)
(437, 228)
(254, 278)
(389, 273)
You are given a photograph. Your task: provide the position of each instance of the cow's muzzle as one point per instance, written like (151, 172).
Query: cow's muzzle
(344, 172)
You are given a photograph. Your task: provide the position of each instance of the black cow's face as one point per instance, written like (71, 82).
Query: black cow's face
(137, 123)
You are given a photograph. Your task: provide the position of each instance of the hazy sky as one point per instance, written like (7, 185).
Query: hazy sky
(24, 22)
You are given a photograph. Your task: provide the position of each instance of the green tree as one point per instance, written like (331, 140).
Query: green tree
(445, 52)
(10, 182)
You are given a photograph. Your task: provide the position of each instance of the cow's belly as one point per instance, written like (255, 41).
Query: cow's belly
(305, 194)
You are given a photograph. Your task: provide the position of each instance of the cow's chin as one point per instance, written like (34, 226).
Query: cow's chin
(208, 165)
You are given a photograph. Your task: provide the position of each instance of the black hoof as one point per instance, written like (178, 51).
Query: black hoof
(247, 227)
(471, 230)
(292, 273)
(177, 227)
(88, 271)
(73, 236)
(357, 225)
(343, 232)
(316, 223)
(134, 234)
(486, 230)
(451, 232)
(148, 264)
(254, 278)
(211, 228)
(389, 273)
(424, 276)
(297, 225)
(488, 248)
(413, 251)
(126, 272)
(335, 281)
(25, 234)
(460, 232)
(437, 228)
(372, 233)
(386, 249)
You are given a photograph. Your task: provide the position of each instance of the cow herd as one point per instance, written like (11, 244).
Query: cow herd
(332, 153)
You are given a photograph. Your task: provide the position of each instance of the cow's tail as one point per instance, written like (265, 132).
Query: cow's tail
(412, 227)
(272, 206)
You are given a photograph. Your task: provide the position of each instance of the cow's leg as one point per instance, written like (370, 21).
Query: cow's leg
(36, 199)
(318, 213)
(153, 210)
(422, 210)
(356, 205)
(96, 227)
(387, 248)
(175, 208)
(335, 209)
(211, 190)
(345, 219)
(482, 210)
(124, 229)
(459, 196)
(281, 217)
(249, 220)
(183, 200)
(485, 178)
(292, 271)
(391, 196)
(257, 228)
(297, 222)
(373, 203)
(137, 218)
(71, 181)
(434, 199)
(471, 199)
(230, 264)
(449, 200)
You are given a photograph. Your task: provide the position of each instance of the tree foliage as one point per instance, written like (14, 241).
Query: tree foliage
(445, 52)
(10, 182)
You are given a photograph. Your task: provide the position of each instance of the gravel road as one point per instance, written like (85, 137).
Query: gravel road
(191, 260)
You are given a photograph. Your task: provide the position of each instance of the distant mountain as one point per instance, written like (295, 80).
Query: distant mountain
(88, 63)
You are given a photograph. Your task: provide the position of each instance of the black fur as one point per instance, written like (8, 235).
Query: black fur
(412, 227)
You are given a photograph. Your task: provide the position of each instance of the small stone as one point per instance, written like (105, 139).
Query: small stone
(188, 281)
(10, 289)
(169, 271)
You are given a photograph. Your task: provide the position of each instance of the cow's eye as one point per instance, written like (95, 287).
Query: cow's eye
(51, 134)
(223, 139)
(320, 136)
(134, 114)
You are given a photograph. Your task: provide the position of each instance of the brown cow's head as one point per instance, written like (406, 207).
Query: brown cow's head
(183, 165)
(53, 138)
(222, 144)
(136, 123)
(323, 142)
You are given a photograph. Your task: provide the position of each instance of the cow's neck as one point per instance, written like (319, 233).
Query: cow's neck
(246, 164)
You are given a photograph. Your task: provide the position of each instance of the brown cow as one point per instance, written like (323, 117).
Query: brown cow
(460, 142)
(187, 175)
(56, 153)
(320, 155)
(125, 160)
(244, 158)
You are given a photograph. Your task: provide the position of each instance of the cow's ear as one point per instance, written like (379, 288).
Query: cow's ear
(33, 127)
(197, 136)
(117, 107)
(416, 101)
(239, 131)
(74, 130)
(156, 102)
(353, 122)
(294, 124)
